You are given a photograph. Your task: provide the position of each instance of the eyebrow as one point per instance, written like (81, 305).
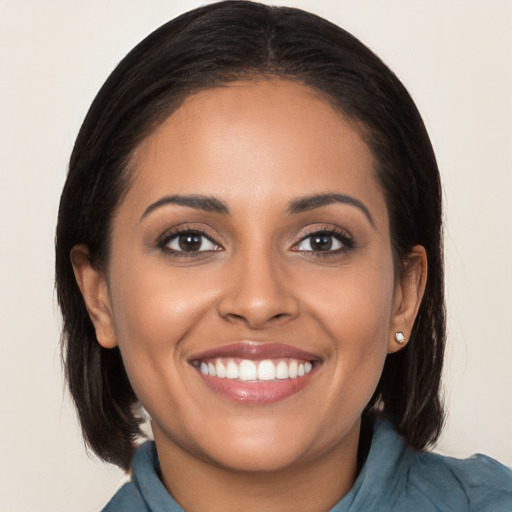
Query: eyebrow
(303, 204)
(214, 205)
(199, 202)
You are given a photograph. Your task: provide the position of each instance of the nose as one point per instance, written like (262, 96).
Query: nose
(259, 293)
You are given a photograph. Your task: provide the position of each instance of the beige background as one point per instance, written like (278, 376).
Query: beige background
(456, 59)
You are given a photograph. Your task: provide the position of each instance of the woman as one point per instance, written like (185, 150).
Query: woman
(242, 249)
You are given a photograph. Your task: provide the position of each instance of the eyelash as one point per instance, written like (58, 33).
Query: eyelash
(166, 239)
(337, 234)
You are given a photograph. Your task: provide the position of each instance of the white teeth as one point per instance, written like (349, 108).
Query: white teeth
(266, 370)
(247, 370)
(231, 370)
(220, 369)
(282, 370)
(292, 369)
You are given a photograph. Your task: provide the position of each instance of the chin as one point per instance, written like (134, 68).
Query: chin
(257, 457)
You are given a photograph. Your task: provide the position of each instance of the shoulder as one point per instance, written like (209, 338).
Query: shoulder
(478, 483)
(398, 478)
(145, 492)
(127, 499)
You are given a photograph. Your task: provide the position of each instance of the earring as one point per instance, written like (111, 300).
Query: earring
(399, 337)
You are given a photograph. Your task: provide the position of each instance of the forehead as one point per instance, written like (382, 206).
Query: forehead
(252, 140)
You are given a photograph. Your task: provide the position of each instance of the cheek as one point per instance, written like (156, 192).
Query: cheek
(355, 312)
(154, 310)
(355, 302)
(153, 315)
(153, 305)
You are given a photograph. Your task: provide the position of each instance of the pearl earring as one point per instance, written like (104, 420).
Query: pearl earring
(399, 337)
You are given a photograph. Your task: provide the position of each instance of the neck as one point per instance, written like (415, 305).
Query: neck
(203, 486)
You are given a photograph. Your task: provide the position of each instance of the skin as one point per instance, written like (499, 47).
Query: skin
(256, 146)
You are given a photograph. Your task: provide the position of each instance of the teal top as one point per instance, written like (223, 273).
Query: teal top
(394, 478)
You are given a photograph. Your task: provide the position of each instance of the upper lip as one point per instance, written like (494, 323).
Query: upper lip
(255, 351)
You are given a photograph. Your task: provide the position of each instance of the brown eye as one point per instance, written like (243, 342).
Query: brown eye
(322, 242)
(190, 242)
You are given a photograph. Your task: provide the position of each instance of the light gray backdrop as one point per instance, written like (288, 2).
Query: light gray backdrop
(454, 56)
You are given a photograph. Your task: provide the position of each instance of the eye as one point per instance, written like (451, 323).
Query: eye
(324, 241)
(189, 242)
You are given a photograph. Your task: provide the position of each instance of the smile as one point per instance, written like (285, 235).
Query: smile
(256, 373)
(247, 370)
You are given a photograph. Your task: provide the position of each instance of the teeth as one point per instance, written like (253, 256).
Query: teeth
(248, 370)
(266, 370)
(231, 370)
(292, 369)
(282, 370)
(220, 369)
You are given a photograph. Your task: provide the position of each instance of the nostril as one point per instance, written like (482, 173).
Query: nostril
(257, 321)
(257, 300)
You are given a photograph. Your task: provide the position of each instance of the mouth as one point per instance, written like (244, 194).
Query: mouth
(256, 373)
(247, 370)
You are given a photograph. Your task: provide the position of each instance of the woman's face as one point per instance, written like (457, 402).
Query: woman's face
(253, 242)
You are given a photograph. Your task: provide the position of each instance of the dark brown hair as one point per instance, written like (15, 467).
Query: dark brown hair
(205, 48)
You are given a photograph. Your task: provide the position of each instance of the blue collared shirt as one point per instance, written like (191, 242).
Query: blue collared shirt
(394, 478)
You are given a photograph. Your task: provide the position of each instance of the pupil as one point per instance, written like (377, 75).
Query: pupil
(190, 242)
(321, 242)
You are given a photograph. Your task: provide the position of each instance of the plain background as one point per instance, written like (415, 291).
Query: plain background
(454, 56)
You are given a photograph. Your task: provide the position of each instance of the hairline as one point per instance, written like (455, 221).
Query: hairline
(170, 105)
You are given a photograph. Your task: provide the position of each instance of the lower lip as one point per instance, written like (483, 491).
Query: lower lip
(257, 393)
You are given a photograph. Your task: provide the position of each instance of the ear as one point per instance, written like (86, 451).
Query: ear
(409, 290)
(93, 285)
